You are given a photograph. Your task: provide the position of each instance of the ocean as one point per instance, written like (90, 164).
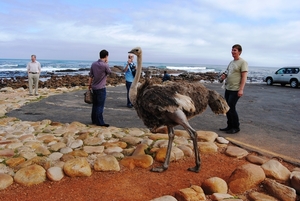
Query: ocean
(10, 68)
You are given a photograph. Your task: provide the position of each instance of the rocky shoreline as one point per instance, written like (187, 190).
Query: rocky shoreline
(64, 80)
(33, 152)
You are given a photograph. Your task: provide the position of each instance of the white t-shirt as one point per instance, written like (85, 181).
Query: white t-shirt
(34, 67)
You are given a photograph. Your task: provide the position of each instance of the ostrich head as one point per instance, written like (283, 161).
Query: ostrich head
(133, 89)
(136, 51)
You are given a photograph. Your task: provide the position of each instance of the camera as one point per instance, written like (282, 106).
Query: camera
(221, 76)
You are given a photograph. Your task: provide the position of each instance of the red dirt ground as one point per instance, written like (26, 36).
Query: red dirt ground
(129, 184)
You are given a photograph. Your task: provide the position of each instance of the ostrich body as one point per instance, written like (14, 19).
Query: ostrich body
(172, 104)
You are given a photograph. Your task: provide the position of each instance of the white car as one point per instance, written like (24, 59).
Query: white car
(283, 76)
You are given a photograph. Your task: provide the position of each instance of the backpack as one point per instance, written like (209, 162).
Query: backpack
(132, 69)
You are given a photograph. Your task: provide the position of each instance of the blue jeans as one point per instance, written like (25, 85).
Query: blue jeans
(128, 85)
(99, 96)
(232, 98)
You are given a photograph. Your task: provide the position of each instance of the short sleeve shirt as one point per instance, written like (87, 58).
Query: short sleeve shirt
(128, 74)
(99, 71)
(234, 70)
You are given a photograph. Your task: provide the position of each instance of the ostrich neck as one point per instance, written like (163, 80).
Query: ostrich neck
(134, 85)
(138, 72)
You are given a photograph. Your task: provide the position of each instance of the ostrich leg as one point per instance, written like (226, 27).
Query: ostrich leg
(193, 135)
(181, 119)
(167, 159)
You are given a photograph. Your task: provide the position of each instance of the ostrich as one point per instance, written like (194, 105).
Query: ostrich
(172, 104)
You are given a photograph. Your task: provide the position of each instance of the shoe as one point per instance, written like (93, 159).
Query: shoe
(106, 125)
(30, 95)
(233, 131)
(36, 94)
(129, 106)
(224, 129)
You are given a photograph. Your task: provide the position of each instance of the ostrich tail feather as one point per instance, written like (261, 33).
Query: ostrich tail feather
(217, 103)
(185, 102)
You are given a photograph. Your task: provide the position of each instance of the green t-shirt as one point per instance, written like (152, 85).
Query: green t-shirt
(234, 76)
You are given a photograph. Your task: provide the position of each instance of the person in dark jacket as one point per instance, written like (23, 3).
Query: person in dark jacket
(166, 76)
(97, 82)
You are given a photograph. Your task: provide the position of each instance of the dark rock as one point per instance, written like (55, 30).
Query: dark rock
(117, 77)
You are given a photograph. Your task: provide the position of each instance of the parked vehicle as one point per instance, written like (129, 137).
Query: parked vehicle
(283, 76)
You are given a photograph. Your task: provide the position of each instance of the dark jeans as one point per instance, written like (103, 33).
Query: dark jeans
(128, 85)
(232, 98)
(99, 97)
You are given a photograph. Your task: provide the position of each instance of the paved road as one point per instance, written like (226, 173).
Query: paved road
(269, 116)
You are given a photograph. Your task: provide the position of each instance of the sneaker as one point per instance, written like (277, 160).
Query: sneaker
(36, 94)
(30, 95)
(129, 106)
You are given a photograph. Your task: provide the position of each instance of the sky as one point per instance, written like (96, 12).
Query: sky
(168, 31)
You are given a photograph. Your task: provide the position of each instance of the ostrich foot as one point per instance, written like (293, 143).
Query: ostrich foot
(194, 169)
(158, 169)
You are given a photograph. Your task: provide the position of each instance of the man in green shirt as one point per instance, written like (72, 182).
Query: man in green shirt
(236, 78)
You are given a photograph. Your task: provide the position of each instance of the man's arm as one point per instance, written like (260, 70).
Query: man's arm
(243, 82)
(90, 82)
(40, 68)
(27, 67)
(126, 67)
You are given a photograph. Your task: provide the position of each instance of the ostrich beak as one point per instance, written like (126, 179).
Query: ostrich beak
(136, 50)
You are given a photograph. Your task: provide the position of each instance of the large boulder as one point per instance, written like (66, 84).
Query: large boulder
(280, 191)
(30, 175)
(214, 185)
(295, 180)
(275, 170)
(55, 173)
(106, 163)
(192, 193)
(245, 177)
(77, 167)
(5, 181)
